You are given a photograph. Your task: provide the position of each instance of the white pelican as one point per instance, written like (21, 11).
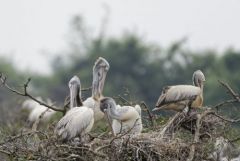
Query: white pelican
(78, 121)
(124, 118)
(180, 96)
(36, 110)
(39, 110)
(100, 70)
(30, 104)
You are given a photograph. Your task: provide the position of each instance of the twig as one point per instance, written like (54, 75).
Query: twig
(5, 152)
(151, 116)
(25, 93)
(83, 148)
(230, 90)
(119, 136)
(196, 138)
(124, 99)
(223, 118)
(35, 124)
(224, 103)
(19, 136)
(170, 127)
(234, 140)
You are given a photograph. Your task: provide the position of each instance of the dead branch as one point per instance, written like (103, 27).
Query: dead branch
(230, 90)
(223, 118)
(36, 123)
(124, 99)
(173, 124)
(124, 134)
(12, 138)
(197, 134)
(83, 148)
(150, 115)
(25, 93)
(224, 103)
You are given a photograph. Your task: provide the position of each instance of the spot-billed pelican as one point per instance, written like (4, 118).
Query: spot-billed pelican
(79, 120)
(36, 110)
(30, 104)
(180, 96)
(100, 70)
(124, 118)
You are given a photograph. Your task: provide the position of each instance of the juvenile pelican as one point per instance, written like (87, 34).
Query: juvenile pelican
(36, 110)
(100, 70)
(78, 121)
(124, 118)
(30, 104)
(180, 96)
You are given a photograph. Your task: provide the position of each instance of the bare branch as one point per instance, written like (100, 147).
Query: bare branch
(25, 93)
(151, 116)
(223, 118)
(19, 136)
(230, 90)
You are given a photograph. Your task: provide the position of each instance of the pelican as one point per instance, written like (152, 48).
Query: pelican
(36, 110)
(79, 120)
(180, 96)
(30, 104)
(124, 118)
(100, 70)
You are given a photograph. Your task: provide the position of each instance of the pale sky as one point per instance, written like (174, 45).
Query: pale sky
(29, 28)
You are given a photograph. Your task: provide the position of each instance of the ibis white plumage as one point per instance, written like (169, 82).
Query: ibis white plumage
(100, 70)
(125, 119)
(180, 96)
(79, 120)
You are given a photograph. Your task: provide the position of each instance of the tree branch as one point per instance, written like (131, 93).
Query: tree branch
(230, 90)
(25, 93)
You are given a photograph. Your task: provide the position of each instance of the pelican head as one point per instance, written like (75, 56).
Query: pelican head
(106, 104)
(108, 107)
(75, 92)
(100, 70)
(198, 78)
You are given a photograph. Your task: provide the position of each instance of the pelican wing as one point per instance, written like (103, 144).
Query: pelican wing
(173, 94)
(138, 109)
(128, 112)
(77, 121)
(130, 116)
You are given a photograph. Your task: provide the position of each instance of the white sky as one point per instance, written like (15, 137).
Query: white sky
(30, 27)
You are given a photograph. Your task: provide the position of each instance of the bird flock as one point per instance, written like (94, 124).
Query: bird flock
(82, 115)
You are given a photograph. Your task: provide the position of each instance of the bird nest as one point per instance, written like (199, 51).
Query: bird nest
(156, 144)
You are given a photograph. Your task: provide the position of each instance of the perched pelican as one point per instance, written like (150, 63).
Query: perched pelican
(36, 110)
(124, 118)
(100, 70)
(180, 96)
(30, 104)
(79, 120)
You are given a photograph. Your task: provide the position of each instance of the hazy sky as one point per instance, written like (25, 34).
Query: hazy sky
(28, 28)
